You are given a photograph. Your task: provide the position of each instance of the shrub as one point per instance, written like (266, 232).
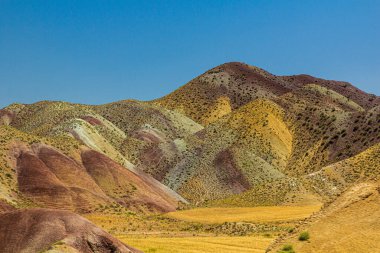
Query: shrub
(304, 236)
(287, 249)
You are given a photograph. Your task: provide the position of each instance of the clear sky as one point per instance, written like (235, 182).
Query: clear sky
(101, 51)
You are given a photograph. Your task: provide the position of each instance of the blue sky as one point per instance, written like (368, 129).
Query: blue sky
(101, 51)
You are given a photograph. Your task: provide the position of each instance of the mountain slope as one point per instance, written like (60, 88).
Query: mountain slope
(127, 131)
(231, 85)
(346, 89)
(350, 224)
(232, 154)
(222, 89)
(267, 147)
(44, 176)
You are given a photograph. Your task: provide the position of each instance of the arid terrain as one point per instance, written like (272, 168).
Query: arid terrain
(236, 160)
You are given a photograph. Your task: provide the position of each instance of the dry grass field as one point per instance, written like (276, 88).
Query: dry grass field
(350, 224)
(243, 244)
(247, 214)
(174, 232)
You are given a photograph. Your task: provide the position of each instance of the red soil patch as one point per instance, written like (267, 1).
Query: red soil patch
(6, 116)
(4, 207)
(150, 137)
(93, 121)
(35, 230)
(36, 181)
(68, 170)
(257, 77)
(138, 190)
(228, 172)
(53, 180)
(346, 89)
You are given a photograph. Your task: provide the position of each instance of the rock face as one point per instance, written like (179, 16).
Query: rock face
(47, 230)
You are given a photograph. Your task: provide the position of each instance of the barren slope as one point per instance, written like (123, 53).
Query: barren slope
(44, 230)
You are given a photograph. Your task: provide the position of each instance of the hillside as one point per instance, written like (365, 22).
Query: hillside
(44, 230)
(347, 225)
(267, 147)
(222, 89)
(36, 174)
(241, 150)
(231, 85)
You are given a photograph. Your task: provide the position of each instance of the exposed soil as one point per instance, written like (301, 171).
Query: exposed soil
(36, 230)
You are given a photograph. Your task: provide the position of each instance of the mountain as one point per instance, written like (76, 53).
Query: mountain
(236, 136)
(271, 141)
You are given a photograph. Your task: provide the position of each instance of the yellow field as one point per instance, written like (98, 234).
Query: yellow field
(157, 235)
(248, 214)
(244, 244)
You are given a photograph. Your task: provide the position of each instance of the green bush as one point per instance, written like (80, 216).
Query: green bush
(304, 236)
(287, 249)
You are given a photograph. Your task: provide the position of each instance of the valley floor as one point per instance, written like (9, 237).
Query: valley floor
(245, 214)
(202, 230)
(220, 244)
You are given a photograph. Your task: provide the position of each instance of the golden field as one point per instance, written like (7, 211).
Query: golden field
(173, 232)
(243, 244)
(247, 214)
